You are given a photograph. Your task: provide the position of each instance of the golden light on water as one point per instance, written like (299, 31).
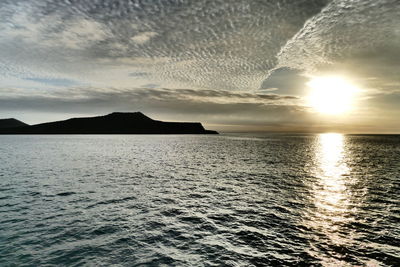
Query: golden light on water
(331, 193)
(331, 95)
(330, 196)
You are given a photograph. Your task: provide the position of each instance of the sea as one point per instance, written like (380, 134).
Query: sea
(200, 200)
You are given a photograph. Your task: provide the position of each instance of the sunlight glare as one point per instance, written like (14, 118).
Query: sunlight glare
(331, 94)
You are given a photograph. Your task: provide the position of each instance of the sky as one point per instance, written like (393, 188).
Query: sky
(234, 65)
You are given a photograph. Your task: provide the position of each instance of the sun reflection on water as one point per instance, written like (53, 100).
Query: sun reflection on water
(330, 196)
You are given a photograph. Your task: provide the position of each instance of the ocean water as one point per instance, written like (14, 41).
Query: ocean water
(227, 200)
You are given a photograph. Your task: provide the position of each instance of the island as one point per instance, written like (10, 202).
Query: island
(11, 123)
(114, 123)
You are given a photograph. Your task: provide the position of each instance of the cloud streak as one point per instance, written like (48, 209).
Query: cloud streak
(210, 106)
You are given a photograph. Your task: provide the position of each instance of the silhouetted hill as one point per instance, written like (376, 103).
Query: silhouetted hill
(114, 123)
(11, 123)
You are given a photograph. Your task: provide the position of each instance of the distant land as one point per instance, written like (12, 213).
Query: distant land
(114, 123)
(11, 123)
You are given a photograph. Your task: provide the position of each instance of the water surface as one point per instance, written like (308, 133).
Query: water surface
(232, 200)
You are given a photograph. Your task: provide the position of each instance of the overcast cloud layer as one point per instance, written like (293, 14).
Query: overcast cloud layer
(221, 62)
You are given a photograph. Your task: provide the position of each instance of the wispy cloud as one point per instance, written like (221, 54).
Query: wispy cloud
(54, 82)
(172, 103)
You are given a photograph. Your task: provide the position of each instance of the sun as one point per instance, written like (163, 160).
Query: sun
(331, 94)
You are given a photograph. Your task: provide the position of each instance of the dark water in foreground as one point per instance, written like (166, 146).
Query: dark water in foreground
(328, 200)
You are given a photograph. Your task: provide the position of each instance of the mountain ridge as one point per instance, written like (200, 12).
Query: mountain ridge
(113, 123)
(11, 123)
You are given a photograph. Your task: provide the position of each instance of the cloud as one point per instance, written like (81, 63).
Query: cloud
(138, 74)
(208, 44)
(221, 109)
(213, 106)
(89, 94)
(53, 82)
(198, 44)
(143, 37)
(240, 53)
(359, 39)
(285, 81)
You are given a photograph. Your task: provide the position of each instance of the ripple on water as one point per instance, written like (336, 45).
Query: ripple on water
(273, 200)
